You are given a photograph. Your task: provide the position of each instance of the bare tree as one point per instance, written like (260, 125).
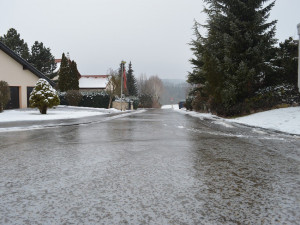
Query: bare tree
(150, 88)
(156, 88)
(141, 84)
(114, 85)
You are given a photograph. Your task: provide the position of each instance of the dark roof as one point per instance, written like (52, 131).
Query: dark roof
(26, 65)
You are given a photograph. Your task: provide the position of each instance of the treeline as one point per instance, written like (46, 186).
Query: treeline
(238, 60)
(39, 55)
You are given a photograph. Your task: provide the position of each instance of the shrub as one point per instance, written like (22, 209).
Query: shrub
(145, 101)
(88, 99)
(136, 103)
(43, 96)
(4, 95)
(73, 97)
(188, 103)
(94, 99)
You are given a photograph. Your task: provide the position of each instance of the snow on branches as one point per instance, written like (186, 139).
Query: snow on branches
(43, 96)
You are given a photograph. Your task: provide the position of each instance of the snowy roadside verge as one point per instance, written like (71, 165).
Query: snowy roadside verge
(29, 119)
(60, 112)
(285, 120)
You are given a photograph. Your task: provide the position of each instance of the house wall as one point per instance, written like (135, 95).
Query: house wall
(13, 73)
(91, 89)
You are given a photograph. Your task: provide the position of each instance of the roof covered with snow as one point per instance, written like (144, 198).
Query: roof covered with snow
(93, 81)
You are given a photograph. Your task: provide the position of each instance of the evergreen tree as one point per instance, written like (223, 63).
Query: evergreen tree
(73, 77)
(4, 94)
(284, 64)
(42, 59)
(230, 62)
(63, 74)
(43, 96)
(14, 42)
(131, 81)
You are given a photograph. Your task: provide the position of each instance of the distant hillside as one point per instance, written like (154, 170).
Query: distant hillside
(176, 89)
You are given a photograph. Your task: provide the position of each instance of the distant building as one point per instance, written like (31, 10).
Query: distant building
(93, 82)
(20, 75)
(87, 82)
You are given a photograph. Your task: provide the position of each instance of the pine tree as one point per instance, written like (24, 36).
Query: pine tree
(230, 62)
(14, 42)
(42, 59)
(131, 81)
(63, 74)
(73, 77)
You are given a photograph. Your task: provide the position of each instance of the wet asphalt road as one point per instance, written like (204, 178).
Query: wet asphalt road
(155, 167)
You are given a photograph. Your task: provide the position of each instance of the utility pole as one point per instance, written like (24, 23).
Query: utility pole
(122, 72)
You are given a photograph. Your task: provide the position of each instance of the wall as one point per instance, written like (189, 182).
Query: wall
(12, 72)
(117, 105)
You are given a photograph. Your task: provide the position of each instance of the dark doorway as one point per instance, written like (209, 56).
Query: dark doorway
(29, 90)
(14, 102)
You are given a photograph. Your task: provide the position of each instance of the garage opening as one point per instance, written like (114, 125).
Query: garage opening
(29, 90)
(14, 102)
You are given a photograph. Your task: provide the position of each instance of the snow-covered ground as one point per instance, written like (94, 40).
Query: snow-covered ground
(285, 119)
(175, 106)
(60, 112)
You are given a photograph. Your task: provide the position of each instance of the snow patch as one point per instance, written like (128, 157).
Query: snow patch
(175, 106)
(285, 120)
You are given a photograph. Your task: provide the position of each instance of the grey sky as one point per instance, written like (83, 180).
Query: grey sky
(98, 34)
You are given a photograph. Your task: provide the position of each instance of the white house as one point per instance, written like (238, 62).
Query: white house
(20, 75)
(93, 82)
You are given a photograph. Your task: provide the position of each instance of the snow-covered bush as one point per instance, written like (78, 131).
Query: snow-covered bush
(4, 94)
(43, 96)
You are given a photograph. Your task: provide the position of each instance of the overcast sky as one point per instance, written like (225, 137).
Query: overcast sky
(98, 34)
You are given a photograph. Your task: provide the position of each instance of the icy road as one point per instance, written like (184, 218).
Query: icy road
(155, 167)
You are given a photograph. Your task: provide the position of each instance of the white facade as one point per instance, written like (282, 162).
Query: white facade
(15, 75)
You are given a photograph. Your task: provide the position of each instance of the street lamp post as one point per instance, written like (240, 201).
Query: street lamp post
(298, 26)
(122, 72)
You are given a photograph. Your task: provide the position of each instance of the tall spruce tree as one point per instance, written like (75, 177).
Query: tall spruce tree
(42, 59)
(131, 81)
(230, 63)
(14, 42)
(63, 74)
(74, 76)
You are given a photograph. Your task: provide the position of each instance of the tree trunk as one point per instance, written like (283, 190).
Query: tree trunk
(109, 104)
(43, 110)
